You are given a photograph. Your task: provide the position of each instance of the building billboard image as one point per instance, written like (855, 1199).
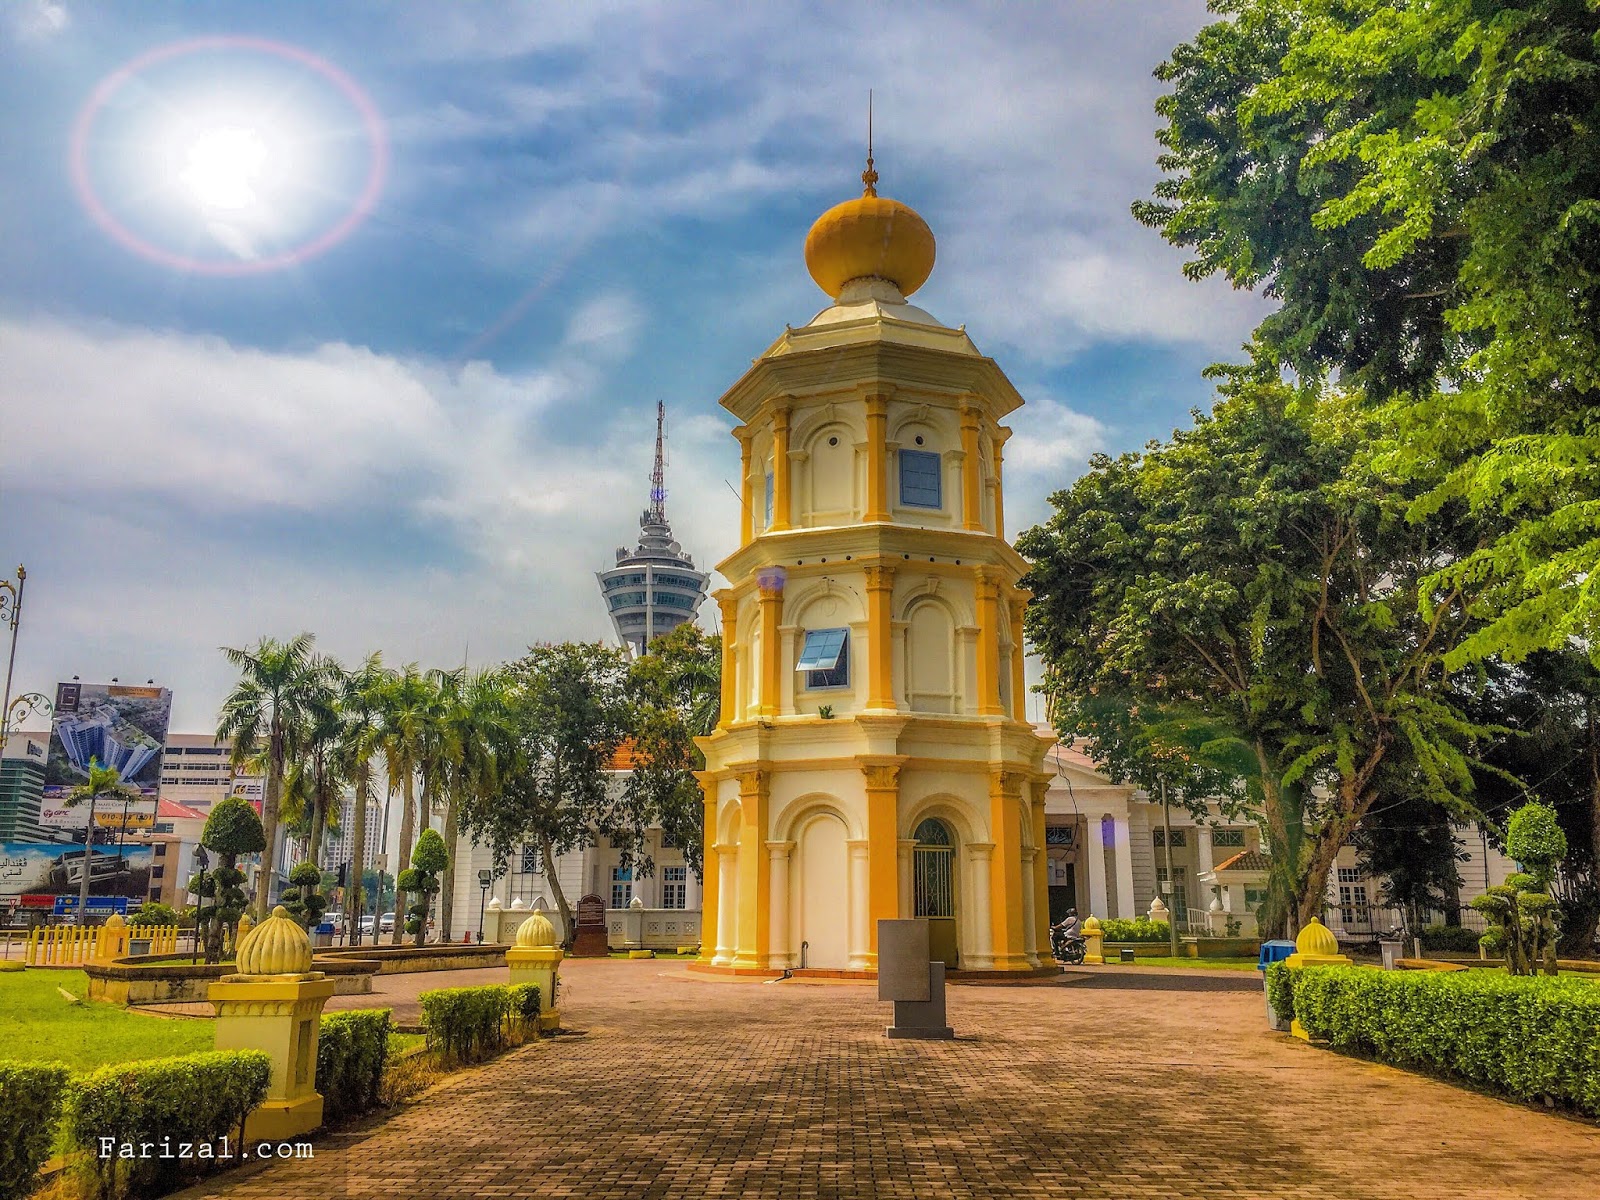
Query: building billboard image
(34, 867)
(118, 726)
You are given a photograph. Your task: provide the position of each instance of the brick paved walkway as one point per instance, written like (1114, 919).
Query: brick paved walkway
(1116, 1083)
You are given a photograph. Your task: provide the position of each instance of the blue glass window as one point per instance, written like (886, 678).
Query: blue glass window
(825, 658)
(921, 479)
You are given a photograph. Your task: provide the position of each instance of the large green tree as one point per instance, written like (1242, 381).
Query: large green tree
(408, 701)
(360, 704)
(566, 713)
(1256, 570)
(261, 717)
(1417, 183)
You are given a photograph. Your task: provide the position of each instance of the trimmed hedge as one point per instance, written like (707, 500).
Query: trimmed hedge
(352, 1051)
(197, 1098)
(30, 1098)
(1135, 929)
(473, 1024)
(1457, 939)
(1280, 989)
(1529, 1037)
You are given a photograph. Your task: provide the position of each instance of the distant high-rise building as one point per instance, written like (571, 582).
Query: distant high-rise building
(22, 761)
(654, 587)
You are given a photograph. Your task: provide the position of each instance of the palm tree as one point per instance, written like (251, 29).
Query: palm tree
(361, 728)
(318, 742)
(263, 711)
(103, 781)
(472, 715)
(407, 702)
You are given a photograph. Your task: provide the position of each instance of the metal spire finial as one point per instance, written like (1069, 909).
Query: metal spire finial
(658, 477)
(869, 177)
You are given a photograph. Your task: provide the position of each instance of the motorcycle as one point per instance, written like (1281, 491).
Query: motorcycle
(1067, 946)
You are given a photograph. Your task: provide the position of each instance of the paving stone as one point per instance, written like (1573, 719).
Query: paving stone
(1116, 1082)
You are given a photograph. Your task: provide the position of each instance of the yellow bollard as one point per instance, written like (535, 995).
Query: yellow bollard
(1095, 938)
(1315, 947)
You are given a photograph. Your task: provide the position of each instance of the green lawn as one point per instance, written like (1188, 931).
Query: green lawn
(38, 1024)
(1204, 964)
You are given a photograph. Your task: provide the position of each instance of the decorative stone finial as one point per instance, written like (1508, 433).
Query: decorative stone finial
(277, 946)
(536, 933)
(495, 905)
(519, 903)
(115, 921)
(1316, 938)
(636, 902)
(1092, 925)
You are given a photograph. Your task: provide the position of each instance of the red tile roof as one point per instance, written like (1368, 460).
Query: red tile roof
(1245, 860)
(171, 810)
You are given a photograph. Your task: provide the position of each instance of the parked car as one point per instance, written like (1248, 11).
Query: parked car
(335, 919)
(386, 923)
(367, 924)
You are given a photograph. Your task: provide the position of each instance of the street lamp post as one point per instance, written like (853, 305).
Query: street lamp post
(203, 860)
(485, 879)
(11, 615)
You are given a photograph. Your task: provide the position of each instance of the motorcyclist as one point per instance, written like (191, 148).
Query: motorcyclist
(1065, 939)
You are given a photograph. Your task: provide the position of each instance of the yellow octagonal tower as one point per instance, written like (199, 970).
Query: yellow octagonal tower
(873, 759)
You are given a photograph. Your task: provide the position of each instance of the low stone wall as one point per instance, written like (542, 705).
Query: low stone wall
(142, 979)
(1222, 947)
(403, 960)
(659, 928)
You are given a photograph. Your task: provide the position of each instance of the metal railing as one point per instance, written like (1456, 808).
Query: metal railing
(1368, 921)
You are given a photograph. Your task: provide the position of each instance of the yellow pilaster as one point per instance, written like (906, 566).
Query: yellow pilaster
(883, 847)
(988, 641)
(1019, 681)
(877, 458)
(880, 641)
(1005, 878)
(770, 605)
(728, 604)
(747, 500)
(1041, 876)
(710, 871)
(780, 466)
(971, 470)
(755, 871)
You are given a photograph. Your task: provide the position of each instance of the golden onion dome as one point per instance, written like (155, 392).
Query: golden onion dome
(1316, 939)
(536, 933)
(872, 237)
(277, 946)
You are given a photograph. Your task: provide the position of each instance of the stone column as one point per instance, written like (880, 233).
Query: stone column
(753, 870)
(711, 868)
(1030, 910)
(727, 896)
(971, 465)
(747, 515)
(1040, 883)
(1006, 891)
(981, 856)
(273, 1003)
(862, 957)
(778, 905)
(780, 466)
(908, 900)
(877, 458)
(770, 606)
(1019, 680)
(1127, 902)
(1203, 862)
(880, 643)
(1002, 436)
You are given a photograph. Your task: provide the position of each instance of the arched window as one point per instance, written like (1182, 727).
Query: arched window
(933, 863)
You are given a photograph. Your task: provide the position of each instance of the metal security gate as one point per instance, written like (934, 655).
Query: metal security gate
(933, 887)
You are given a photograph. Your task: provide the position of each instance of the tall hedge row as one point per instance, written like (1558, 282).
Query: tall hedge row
(1529, 1037)
(30, 1098)
(352, 1051)
(473, 1024)
(196, 1098)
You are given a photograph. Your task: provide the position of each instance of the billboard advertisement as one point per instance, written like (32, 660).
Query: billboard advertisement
(45, 869)
(115, 724)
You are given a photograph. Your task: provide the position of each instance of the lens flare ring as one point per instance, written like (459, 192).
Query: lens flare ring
(359, 210)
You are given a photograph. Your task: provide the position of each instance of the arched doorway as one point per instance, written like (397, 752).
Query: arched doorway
(820, 891)
(933, 864)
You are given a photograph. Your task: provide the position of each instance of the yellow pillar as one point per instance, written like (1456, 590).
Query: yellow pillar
(747, 500)
(710, 871)
(536, 959)
(883, 848)
(755, 870)
(1003, 435)
(877, 458)
(1315, 946)
(880, 642)
(988, 641)
(1041, 877)
(1019, 680)
(780, 466)
(274, 1003)
(971, 470)
(770, 605)
(1005, 877)
(728, 603)
(1095, 938)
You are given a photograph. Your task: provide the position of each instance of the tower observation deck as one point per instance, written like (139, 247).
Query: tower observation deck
(654, 587)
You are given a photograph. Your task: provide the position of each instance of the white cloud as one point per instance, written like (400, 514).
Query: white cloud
(38, 20)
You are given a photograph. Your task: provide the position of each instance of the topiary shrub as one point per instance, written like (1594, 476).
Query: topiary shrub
(1528, 1038)
(1526, 918)
(232, 829)
(352, 1051)
(1135, 929)
(30, 1100)
(198, 1098)
(429, 858)
(304, 899)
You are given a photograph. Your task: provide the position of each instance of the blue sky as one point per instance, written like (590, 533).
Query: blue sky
(426, 438)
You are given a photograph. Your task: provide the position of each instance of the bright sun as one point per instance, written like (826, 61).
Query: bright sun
(242, 167)
(223, 168)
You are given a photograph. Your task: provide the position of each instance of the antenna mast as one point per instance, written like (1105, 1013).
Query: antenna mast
(658, 477)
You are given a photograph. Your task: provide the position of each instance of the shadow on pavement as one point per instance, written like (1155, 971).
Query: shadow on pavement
(1119, 980)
